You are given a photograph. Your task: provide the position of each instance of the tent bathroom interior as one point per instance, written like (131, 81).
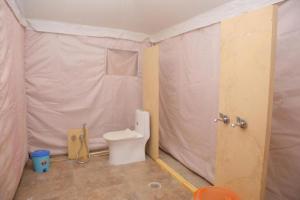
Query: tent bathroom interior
(64, 63)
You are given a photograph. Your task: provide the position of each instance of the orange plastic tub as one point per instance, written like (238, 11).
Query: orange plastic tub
(215, 193)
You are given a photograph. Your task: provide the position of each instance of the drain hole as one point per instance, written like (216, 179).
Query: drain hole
(154, 185)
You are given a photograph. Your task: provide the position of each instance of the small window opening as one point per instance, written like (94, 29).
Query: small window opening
(122, 63)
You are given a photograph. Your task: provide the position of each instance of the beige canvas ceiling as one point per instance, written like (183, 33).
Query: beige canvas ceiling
(135, 15)
(136, 20)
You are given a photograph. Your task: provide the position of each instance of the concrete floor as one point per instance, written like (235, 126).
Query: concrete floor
(68, 180)
(189, 175)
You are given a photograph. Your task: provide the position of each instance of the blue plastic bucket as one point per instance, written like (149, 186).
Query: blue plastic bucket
(41, 161)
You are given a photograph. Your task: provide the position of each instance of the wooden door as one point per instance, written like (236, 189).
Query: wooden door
(246, 81)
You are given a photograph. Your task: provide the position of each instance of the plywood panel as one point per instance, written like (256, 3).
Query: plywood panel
(74, 144)
(151, 96)
(246, 83)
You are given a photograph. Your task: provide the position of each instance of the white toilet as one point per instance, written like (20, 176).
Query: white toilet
(127, 146)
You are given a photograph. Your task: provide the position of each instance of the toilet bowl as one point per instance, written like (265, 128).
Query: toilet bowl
(127, 146)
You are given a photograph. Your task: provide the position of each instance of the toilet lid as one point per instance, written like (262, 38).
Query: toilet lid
(120, 135)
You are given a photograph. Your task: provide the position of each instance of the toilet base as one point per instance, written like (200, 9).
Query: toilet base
(126, 151)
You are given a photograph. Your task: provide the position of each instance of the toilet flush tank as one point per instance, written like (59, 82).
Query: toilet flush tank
(142, 123)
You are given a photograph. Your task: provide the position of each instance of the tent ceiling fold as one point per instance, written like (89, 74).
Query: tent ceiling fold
(135, 20)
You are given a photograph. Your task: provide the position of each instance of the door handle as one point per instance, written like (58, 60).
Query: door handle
(223, 118)
(240, 122)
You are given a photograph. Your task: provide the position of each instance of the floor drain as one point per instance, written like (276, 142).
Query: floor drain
(154, 185)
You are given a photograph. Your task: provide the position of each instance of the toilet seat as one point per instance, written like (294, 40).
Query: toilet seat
(122, 135)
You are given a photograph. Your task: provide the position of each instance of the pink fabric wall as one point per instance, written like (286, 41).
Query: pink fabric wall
(284, 163)
(189, 77)
(13, 140)
(189, 99)
(67, 85)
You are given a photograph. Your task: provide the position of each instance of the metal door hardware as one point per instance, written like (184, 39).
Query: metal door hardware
(223, 118)
(240, 122)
